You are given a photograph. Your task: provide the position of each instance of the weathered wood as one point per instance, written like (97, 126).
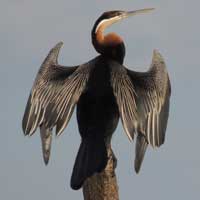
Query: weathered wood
(103, 186)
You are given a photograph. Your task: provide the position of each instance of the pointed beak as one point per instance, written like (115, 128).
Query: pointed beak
(135, 12)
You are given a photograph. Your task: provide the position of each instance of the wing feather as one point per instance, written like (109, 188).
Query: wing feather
(124, 92)
(143, 99)
(143, 102)
(53, 97)
(153, 94)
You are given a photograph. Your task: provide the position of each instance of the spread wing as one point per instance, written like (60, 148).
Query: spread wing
(143, 101)
(152, 98)
(124, 92)
(53, 97)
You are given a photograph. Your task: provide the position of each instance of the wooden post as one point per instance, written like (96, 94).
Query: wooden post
(103, 186)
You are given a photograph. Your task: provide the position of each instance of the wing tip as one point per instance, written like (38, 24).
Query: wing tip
(46, 140)
(156, 52)
(53, 53)
(137, 168)
(27, 130)
(46, 157)
(24, 128)
(59, 45)
(157, 57)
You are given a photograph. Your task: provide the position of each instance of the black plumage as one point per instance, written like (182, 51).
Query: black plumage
(103, 90)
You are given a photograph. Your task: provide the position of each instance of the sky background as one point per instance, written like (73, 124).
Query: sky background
(28, 29)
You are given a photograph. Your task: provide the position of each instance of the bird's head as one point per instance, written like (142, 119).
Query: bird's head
(111, 44)
(110, 17)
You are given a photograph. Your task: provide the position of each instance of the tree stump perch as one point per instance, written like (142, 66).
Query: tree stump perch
(103, 186)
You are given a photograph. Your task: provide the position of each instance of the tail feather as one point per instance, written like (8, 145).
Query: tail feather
(141, 146)
(91, 158)
(46, 139)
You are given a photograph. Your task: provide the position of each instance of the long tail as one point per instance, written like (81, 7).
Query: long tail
(91, 158)
(140, 149)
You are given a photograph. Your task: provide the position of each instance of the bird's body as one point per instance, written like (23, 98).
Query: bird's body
(97, 117)
(104, 91)
(97, 108)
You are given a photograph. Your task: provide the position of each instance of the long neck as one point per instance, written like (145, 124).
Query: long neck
(110, 45)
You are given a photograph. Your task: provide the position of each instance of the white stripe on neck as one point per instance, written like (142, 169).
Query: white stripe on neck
(107, 22)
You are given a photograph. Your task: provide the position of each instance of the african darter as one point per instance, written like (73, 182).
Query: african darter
(103, 90)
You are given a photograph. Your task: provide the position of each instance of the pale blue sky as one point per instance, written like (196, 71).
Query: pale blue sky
(28, 29)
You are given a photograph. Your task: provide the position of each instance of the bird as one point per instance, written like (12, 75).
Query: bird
(103, 91)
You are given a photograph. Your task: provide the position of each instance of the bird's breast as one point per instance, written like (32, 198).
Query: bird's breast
(97, 108)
